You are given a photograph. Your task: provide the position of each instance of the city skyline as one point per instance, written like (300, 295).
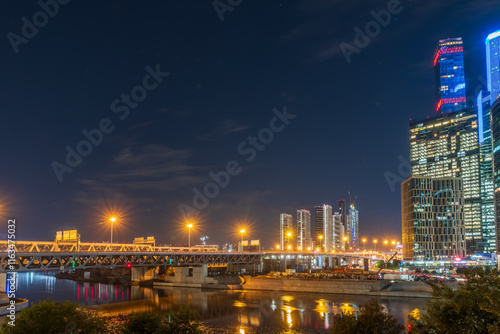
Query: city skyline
(154, 152)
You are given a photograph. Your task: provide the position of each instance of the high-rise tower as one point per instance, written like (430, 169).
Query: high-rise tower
(447, 146)
(450, 75)
(493, 64)
(304, 241)
(323, 227)
(287, 231)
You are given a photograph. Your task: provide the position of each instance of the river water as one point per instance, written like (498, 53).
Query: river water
(234, 311)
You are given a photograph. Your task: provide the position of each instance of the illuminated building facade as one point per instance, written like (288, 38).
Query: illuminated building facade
(304, 230)
(338, 232)
(323, 227)
(354, 225)
(486, 172)
(447, 146)
(432, 211)
(286, 227)
(493, 64)
(495, 137)
(450, 75)
(342, 212)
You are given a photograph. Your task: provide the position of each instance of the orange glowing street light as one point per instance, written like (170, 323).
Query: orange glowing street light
(364, 244)
(242, 231)
(189, 233)
(112, 219)
(375, 242)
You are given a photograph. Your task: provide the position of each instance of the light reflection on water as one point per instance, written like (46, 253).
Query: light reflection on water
(243, 310)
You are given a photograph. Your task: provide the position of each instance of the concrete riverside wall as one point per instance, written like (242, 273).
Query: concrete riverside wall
(310, 285)
(353, 287)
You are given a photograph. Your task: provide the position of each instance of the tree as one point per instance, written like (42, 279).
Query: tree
(51, 317)
(182, 321)
(380, 264)
(372, 319)
(473, 308)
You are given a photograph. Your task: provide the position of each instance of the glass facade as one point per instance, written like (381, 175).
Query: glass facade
(447, 146)
(432, 212)
(450, 75)
(493, 64)
(354, 224)
(495, 137)
(486, 173)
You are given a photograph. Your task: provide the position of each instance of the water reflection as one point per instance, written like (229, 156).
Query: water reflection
(242, 310)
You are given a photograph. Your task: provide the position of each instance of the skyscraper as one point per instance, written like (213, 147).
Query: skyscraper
(323, 226)
(450, 75)
(304, 229)
(486, 173)
(495, 137)
(338, 232)
(286, 227)
(354, 223)
(433, 218)
(493, 64)
(447, 146)
(342, 212)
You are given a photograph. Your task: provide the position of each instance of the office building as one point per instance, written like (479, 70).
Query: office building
(354, 224)
(493, 64)
(432, 211)
(450, 75)
(486, 173)
(304, 241)
(287, 231)
(338, 232)
(323, 227)
(495, 137)
(447, 146)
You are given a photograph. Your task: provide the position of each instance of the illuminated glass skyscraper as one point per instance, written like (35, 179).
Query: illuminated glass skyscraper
(493, 64)
(447, 146)
(486, 172)
(450, 75)
(495, 137)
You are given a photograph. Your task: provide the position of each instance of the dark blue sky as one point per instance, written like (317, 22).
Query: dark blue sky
(225, 78)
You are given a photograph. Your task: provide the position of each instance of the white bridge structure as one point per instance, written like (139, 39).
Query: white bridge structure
(22, 256)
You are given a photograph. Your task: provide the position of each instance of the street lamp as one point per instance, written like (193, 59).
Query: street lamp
(393, 243)
(112, 219)
(242, 231)
(385, 245)
(189, 233)
(345, 244)
(364, 244)
(375, 242)
(321, 240)
(289, 235)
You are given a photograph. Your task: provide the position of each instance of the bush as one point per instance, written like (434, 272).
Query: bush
(182, 321)
(143, 323)
(473, 308)
(51, 317)
(372, 319)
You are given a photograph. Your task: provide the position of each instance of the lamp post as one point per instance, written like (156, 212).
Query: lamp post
(393, 244)
(364, 244)
(289, 235)
(321, 241)
(242, 231)
(375, 243)
(385, 245)
(112, 219)
(346, 243)
(189, 234)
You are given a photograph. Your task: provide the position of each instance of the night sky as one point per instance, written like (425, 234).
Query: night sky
(224, 80)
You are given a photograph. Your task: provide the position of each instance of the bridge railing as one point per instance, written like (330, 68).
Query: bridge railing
(91, 247)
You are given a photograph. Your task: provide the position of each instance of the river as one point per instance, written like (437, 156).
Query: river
(237, 311)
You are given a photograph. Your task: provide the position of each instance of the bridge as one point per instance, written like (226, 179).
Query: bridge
(41, 255)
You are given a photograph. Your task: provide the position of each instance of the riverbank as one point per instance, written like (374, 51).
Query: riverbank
(380, 288)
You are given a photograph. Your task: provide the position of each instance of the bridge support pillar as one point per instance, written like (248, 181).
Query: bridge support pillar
(3, 281)
(142, 273)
